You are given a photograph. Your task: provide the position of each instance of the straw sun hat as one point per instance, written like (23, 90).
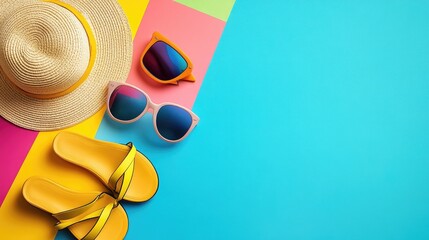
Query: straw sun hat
(57, 57)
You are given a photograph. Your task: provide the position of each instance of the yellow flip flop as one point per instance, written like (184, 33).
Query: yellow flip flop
(127, 172)
(88, 215)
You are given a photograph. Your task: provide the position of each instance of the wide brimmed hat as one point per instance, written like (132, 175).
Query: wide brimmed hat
(57, 57)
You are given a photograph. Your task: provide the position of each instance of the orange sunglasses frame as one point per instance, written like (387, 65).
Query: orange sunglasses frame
(185, 75)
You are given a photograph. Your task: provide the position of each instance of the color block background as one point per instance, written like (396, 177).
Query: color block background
(314, 125)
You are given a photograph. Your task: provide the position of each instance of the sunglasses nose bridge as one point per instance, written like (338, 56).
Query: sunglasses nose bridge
(152, 107)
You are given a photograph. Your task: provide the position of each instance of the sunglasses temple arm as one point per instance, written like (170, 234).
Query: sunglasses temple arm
(190, 78)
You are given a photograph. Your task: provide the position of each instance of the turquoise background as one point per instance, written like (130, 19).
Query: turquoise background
(314, 125)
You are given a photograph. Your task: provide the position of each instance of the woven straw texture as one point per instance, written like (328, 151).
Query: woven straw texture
(44, 49)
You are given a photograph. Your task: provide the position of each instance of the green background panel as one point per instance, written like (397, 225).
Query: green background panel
(216, 8)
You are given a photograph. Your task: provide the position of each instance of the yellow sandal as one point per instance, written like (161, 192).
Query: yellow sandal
(127, 172)
(88, 215)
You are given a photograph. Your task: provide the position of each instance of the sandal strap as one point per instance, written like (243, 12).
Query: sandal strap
(124, 172)
(76, 217)
(75, 212)
(99, 225)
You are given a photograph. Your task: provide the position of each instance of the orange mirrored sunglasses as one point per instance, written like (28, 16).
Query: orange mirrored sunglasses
(164, 62)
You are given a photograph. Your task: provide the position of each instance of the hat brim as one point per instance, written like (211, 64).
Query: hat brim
(112, 63)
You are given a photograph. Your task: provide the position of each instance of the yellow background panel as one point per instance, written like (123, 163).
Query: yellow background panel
(134, 9)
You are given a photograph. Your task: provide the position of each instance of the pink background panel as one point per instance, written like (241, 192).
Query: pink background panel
(15, 143)
(196, 33)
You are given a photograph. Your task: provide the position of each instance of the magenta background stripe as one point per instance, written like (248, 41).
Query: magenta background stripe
(15, 143)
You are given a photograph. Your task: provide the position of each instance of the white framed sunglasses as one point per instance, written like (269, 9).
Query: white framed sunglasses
(127, 103)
